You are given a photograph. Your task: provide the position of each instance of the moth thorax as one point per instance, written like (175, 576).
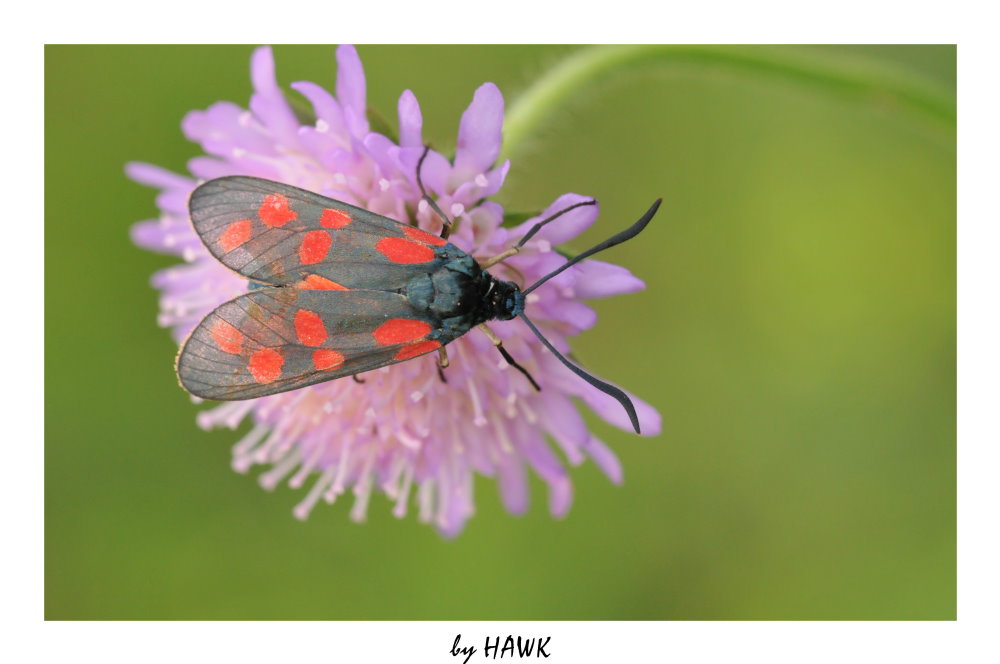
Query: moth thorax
(454, 290)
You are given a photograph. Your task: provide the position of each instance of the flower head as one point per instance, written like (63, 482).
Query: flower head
(403, 431)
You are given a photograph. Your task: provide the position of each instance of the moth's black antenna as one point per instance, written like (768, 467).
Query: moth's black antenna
(610, 390)
(445, 221)
(537, 227)
(626, 234)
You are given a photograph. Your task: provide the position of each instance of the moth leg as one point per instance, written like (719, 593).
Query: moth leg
(503, 351)
(443, 363)
(490, 262)
(446, 227)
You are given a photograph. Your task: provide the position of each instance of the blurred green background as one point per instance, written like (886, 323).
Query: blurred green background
(797, 334)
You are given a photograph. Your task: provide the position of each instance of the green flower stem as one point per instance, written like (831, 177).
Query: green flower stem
(844, 77)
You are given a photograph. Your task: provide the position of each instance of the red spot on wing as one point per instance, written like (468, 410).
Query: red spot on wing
(309, 328)
(265, 365)
(400, 331)
(227, 337)
(334, 218)
(399, 250)
(418, 348)
(423, 236)
(316, 282)
(314, 247)
(325, 359)
(235, 234)
(274, 211)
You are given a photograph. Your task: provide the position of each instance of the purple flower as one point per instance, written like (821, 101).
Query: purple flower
(402, 432)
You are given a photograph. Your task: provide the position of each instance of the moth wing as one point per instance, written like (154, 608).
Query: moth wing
(273, 340)
(277, 234)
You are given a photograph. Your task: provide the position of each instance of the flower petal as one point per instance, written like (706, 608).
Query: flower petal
(513, 484)
(173, 201)
(225, 129)
(207, 168)
(154, 176)
(479, 134)
(534, 449)
(599, 279)
(560, 496)
(605, 459)
(563, 422)
(485, 222)
(411, 121)
(351, 91)
(329, 116)
(151, 235)
(483, 186)
(383, 152)
(577, 314)
(268, 102)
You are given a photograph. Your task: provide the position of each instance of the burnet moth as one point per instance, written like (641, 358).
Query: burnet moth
(337, 290)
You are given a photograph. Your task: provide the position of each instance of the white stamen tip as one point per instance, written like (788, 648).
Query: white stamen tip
(239, 152)
(322, 126)
(531, 298)
(481, 180)
(457, 209)
(383, 184)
